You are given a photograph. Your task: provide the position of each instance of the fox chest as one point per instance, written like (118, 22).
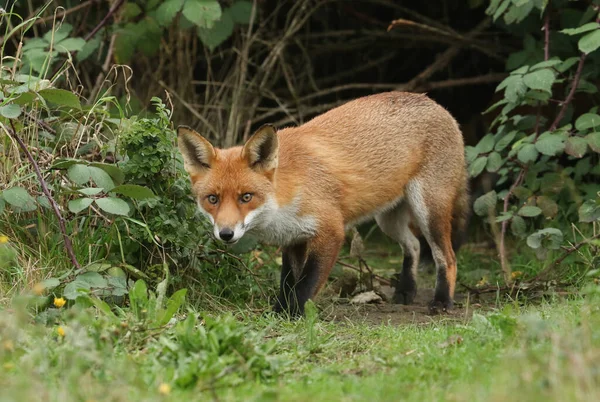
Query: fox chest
(283, 225)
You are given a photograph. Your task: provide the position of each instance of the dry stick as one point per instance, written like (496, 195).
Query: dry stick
(357, 269)
(61, 220)
(568, 252)
(66, 12)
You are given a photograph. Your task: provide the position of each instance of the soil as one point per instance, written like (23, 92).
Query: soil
(342, 310)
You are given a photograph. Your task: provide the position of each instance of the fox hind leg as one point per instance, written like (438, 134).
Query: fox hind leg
(395, 224)
(433, 214)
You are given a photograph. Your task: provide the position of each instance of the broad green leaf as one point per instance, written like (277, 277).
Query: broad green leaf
(10, 111)
(576, 146)
(79, 204)
(593, 141)
(35, 43)
(114, 171)
(529, 211)
(80, 174)
(241, 11)
(486, 144)
(90, 190)
(218, 33)
(477, 167)
(540, 79)
(59, 34)
(134, 191)
(590, 26)
(92, 279)
(138, 297)
(43, 201)
(548, 206)
(587, 121)
(203, 13)
(549, 238)
(528, 153)
(567, 64)
(516, 89)
(113, 205)
(551, 144)
(173, 304)
(89, 48)
(518, 226)
(167, 11)
(505, 140)
(60, 97)
(70, 45)
(470, 154)
(74, 289)
(546, 64)
(485, 204)
(589, 42)
(20, 198)
(504, 217)
(589, 212)
(494, 162)
(101, 178)
(50, 283)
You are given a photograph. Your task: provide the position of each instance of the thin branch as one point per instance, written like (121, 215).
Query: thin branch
(568, 252)
(355, 268)
(571, 94)
(61, 220)
(66, 12)
(104, 20)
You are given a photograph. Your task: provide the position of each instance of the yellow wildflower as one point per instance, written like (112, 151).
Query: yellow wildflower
(516, 274)
(59, 302)
(3, 239)
(8, 345)
(61, 331)
(164, 389)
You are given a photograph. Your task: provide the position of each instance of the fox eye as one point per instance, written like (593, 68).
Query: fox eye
(246, 197)
(213, 199)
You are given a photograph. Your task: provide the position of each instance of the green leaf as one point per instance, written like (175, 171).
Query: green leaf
(113, 205)
(220, 31)
(515, 89)
(59, 34)
(540, 79)
(518, 226)
(92, 279)
(576, 146)
(138, 298)
(60, 97)
(167, 11)
(494, 162)
(89, 48)
(470, 154)
(589, 42)
(50, 283)
(548, 206)
(546, 64)
(549, 238)
(528, 153)
(43, 201)
(593, 141)
(70, 45)
(79, 204)
(73, 289)
(241, 11)
(173, 305)
(590, 26)
(477, 167)
(101, 178)
(529, 211)
(90, 190)
(567, 64)
(203, 13)
(589, 212)
(485, 204)
(486, 144)
(505, 140)
(587, 121)
(80, 174)
(114, 171)
(504, 217)
(20, 198)
(10, 111)
(550, 144)
(134, 191)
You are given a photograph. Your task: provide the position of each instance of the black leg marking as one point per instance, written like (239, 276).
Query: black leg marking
(406, 285)
(442, 298)
(294, 292)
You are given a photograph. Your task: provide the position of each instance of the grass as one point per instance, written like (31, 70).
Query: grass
(549, 352)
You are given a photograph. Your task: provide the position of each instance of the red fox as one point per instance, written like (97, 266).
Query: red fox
(397, 157)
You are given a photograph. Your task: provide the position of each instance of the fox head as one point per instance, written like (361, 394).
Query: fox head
(234, 187)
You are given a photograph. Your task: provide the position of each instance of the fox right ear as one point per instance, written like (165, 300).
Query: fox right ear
(198, 154)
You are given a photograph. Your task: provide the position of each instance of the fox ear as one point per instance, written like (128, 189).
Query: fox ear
(198, 154)
(262, 149)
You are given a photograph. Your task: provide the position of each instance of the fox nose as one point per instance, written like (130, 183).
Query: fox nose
(226, 234)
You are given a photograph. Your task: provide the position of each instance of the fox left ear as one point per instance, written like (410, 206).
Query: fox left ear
(262, 149)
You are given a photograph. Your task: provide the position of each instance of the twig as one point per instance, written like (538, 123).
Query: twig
(571, 94)
(104, 20)
(568, 252)
(357, 269)
(501, 248)
(61, 221)
(66, 12)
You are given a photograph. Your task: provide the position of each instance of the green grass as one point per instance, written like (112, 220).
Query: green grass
(548, 352)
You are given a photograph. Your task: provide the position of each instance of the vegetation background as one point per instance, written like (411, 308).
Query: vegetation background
(108, 273)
